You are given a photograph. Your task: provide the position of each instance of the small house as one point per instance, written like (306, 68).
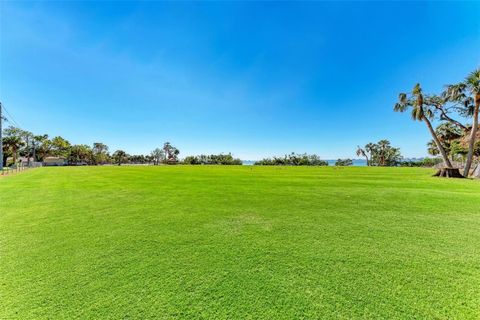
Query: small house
(54, 161)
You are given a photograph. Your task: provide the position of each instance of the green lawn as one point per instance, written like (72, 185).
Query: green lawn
(238, 243)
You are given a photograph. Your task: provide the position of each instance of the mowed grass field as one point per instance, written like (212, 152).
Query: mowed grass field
(238, 243)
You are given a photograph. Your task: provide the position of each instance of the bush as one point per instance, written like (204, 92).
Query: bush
(426, 162)
(293, 160)
(344, 162)
(218, 159)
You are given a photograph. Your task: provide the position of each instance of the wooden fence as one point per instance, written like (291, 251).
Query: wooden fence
(19, 168)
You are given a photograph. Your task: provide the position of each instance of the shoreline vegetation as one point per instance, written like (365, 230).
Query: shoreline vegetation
(453, 142)
(23, 149)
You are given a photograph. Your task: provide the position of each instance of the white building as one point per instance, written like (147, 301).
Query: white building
(54, 161)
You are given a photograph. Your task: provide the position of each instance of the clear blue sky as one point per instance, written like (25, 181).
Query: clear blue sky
(255, 79)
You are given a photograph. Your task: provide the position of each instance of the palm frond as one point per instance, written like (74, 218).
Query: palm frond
(473, 81)
(415, 114)
(454, 92)
(417, 89)
(428, 113)
(399, 107)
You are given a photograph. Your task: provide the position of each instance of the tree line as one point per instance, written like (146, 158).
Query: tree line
(455, 138)
(293, 159)
(37, 148)
(219, 159)
(19, 143)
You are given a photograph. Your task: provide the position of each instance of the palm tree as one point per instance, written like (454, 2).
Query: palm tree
(421, 112)
(361, 153)
(432, 148)
(463, 103)
(13, 143)
(472, 82)
(371, 149)
(383, 145)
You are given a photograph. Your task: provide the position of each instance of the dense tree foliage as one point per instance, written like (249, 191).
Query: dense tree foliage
(119, 157)
(293, 159)
(79, 155)
(158, 156)
(100, 153)
(223, 159)
(380, 154)
(344, 162)
(139, 159)
(426, 162)
(19, 143)
(455, 143)
(171, 153)
(453, 139)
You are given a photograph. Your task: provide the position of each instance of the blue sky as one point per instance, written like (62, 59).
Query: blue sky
(254, 79)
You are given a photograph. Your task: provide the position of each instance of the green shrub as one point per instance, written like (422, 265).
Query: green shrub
(219, 159)
(344, 162)
(293, 159)
(426, 162)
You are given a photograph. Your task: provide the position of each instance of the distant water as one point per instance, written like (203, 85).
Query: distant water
(356, 162)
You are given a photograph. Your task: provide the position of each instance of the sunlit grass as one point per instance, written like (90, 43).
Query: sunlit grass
(238, 242)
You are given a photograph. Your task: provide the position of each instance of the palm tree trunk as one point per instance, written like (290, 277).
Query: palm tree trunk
(15, 155)
(437, 142)
(28, 154)
(473, 135)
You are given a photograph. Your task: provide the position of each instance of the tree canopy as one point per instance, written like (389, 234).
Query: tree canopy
(293, 159)
(456, 110)
(380, 154)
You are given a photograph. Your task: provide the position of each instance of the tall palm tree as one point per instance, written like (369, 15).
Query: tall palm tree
(361, 153)
(383, 145)
(472, 82)
(371, 149)
(421, 112)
